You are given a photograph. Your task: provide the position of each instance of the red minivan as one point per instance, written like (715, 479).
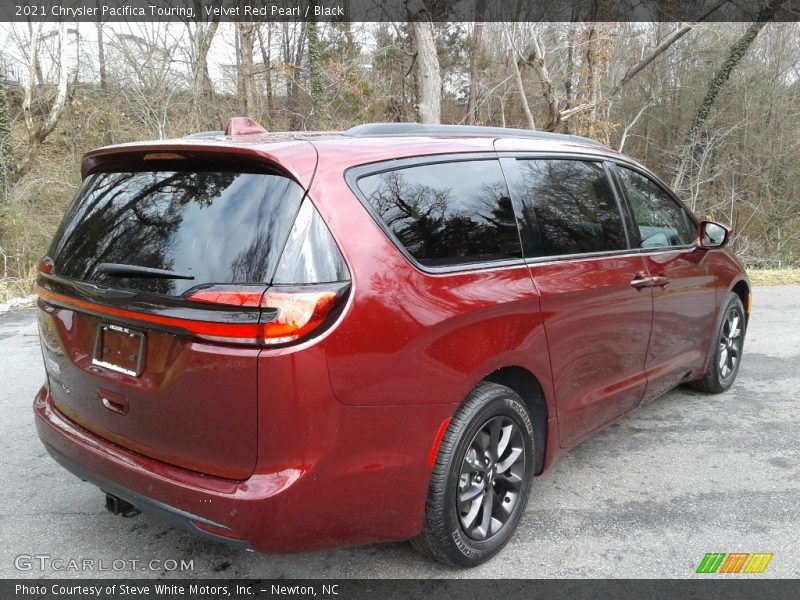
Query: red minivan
(290, 342)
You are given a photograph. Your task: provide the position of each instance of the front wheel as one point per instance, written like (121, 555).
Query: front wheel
(481, 479)
(726, 353)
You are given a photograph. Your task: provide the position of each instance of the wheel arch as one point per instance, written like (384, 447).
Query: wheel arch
(527, 385)
(742, 289)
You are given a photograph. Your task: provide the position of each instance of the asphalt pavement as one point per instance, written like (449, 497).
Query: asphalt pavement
(647, 498)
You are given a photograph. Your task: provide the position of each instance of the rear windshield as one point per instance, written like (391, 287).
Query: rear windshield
(215, 227)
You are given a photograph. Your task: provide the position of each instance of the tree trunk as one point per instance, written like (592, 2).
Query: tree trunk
(315, 84)
(292, 56)
(101, 56)
(267, 62)
(202, 91)
(475, 47)
(245, 41)
(427, 75)
(6, 157)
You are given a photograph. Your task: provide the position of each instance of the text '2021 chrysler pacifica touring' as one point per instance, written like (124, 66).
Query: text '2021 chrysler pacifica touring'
(292, 342)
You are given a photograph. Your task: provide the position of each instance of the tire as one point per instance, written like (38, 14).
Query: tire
(459, 533)
(726, 351)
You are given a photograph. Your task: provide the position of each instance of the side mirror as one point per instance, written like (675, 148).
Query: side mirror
(713, 235)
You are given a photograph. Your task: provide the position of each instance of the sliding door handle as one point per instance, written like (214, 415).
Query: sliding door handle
(641, 281)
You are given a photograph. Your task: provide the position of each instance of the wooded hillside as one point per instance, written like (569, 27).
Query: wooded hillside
(713, 108)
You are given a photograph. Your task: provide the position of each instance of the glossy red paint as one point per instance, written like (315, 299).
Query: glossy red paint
(598, 372)
(328, 442)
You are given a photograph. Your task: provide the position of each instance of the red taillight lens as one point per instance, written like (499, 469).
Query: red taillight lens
(228, 296)
(288, 314)
(46, 266)
(299, 313)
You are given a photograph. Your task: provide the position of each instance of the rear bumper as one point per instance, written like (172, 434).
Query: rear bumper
(361, 489)
(163, 512)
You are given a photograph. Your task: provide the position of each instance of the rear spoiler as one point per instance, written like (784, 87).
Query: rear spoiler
(295, 158)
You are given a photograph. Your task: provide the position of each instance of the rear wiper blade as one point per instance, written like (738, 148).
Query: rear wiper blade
(120, 270)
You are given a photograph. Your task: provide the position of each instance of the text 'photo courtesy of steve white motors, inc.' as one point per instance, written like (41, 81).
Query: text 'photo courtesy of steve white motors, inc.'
(166, 590)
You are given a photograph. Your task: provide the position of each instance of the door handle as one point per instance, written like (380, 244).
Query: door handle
(642, 281)
(661, 281)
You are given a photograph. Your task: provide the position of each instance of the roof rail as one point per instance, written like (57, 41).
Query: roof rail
(419, 129)
(205, 134)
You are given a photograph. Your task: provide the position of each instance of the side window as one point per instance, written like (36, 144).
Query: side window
(447, 213)
(310, 254)
(662, 222)
(569, 208)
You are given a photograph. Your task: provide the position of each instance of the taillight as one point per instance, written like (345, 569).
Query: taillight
(288, 314)
(298, 314)
(46, 266)
(228, 296)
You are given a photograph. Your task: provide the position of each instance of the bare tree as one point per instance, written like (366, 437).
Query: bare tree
(38, 132)
(692, 143)
(266, 61)
(427, 75)
(475, 47)
(245, 42)
(202, 33)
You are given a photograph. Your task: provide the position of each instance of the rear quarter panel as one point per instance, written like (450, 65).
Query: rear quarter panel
(415, 338)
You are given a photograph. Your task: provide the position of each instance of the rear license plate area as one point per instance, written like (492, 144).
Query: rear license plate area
(119, 349)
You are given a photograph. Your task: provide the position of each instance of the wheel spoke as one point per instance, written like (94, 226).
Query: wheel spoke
(512, 481)
(486, 518)
(470, 493)
(495, 429)
(733, 329)
(505, 438)
(468, 519)
(513, 456)
(502, 509)
(723, 359)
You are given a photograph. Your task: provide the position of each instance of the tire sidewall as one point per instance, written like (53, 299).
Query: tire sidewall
(473, 552)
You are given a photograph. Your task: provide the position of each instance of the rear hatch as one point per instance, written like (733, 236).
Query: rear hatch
(151, 303)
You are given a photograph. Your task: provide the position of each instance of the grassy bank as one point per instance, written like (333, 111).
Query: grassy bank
(774, 276)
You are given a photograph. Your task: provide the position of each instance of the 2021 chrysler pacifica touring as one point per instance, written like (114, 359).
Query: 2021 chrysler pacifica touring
(291, 342)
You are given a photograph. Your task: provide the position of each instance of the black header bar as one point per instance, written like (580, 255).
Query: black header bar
(399, 10)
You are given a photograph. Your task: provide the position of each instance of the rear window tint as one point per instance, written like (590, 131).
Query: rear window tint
(569, 208)
(447, 213)
(219, 227)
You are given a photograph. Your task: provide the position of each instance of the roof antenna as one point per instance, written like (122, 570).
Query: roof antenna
(243, 126)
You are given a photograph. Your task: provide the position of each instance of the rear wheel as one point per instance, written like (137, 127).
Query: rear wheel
(481, 479)
(726, 356)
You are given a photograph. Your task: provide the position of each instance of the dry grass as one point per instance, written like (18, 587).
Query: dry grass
(774, 276)
(17, 287)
